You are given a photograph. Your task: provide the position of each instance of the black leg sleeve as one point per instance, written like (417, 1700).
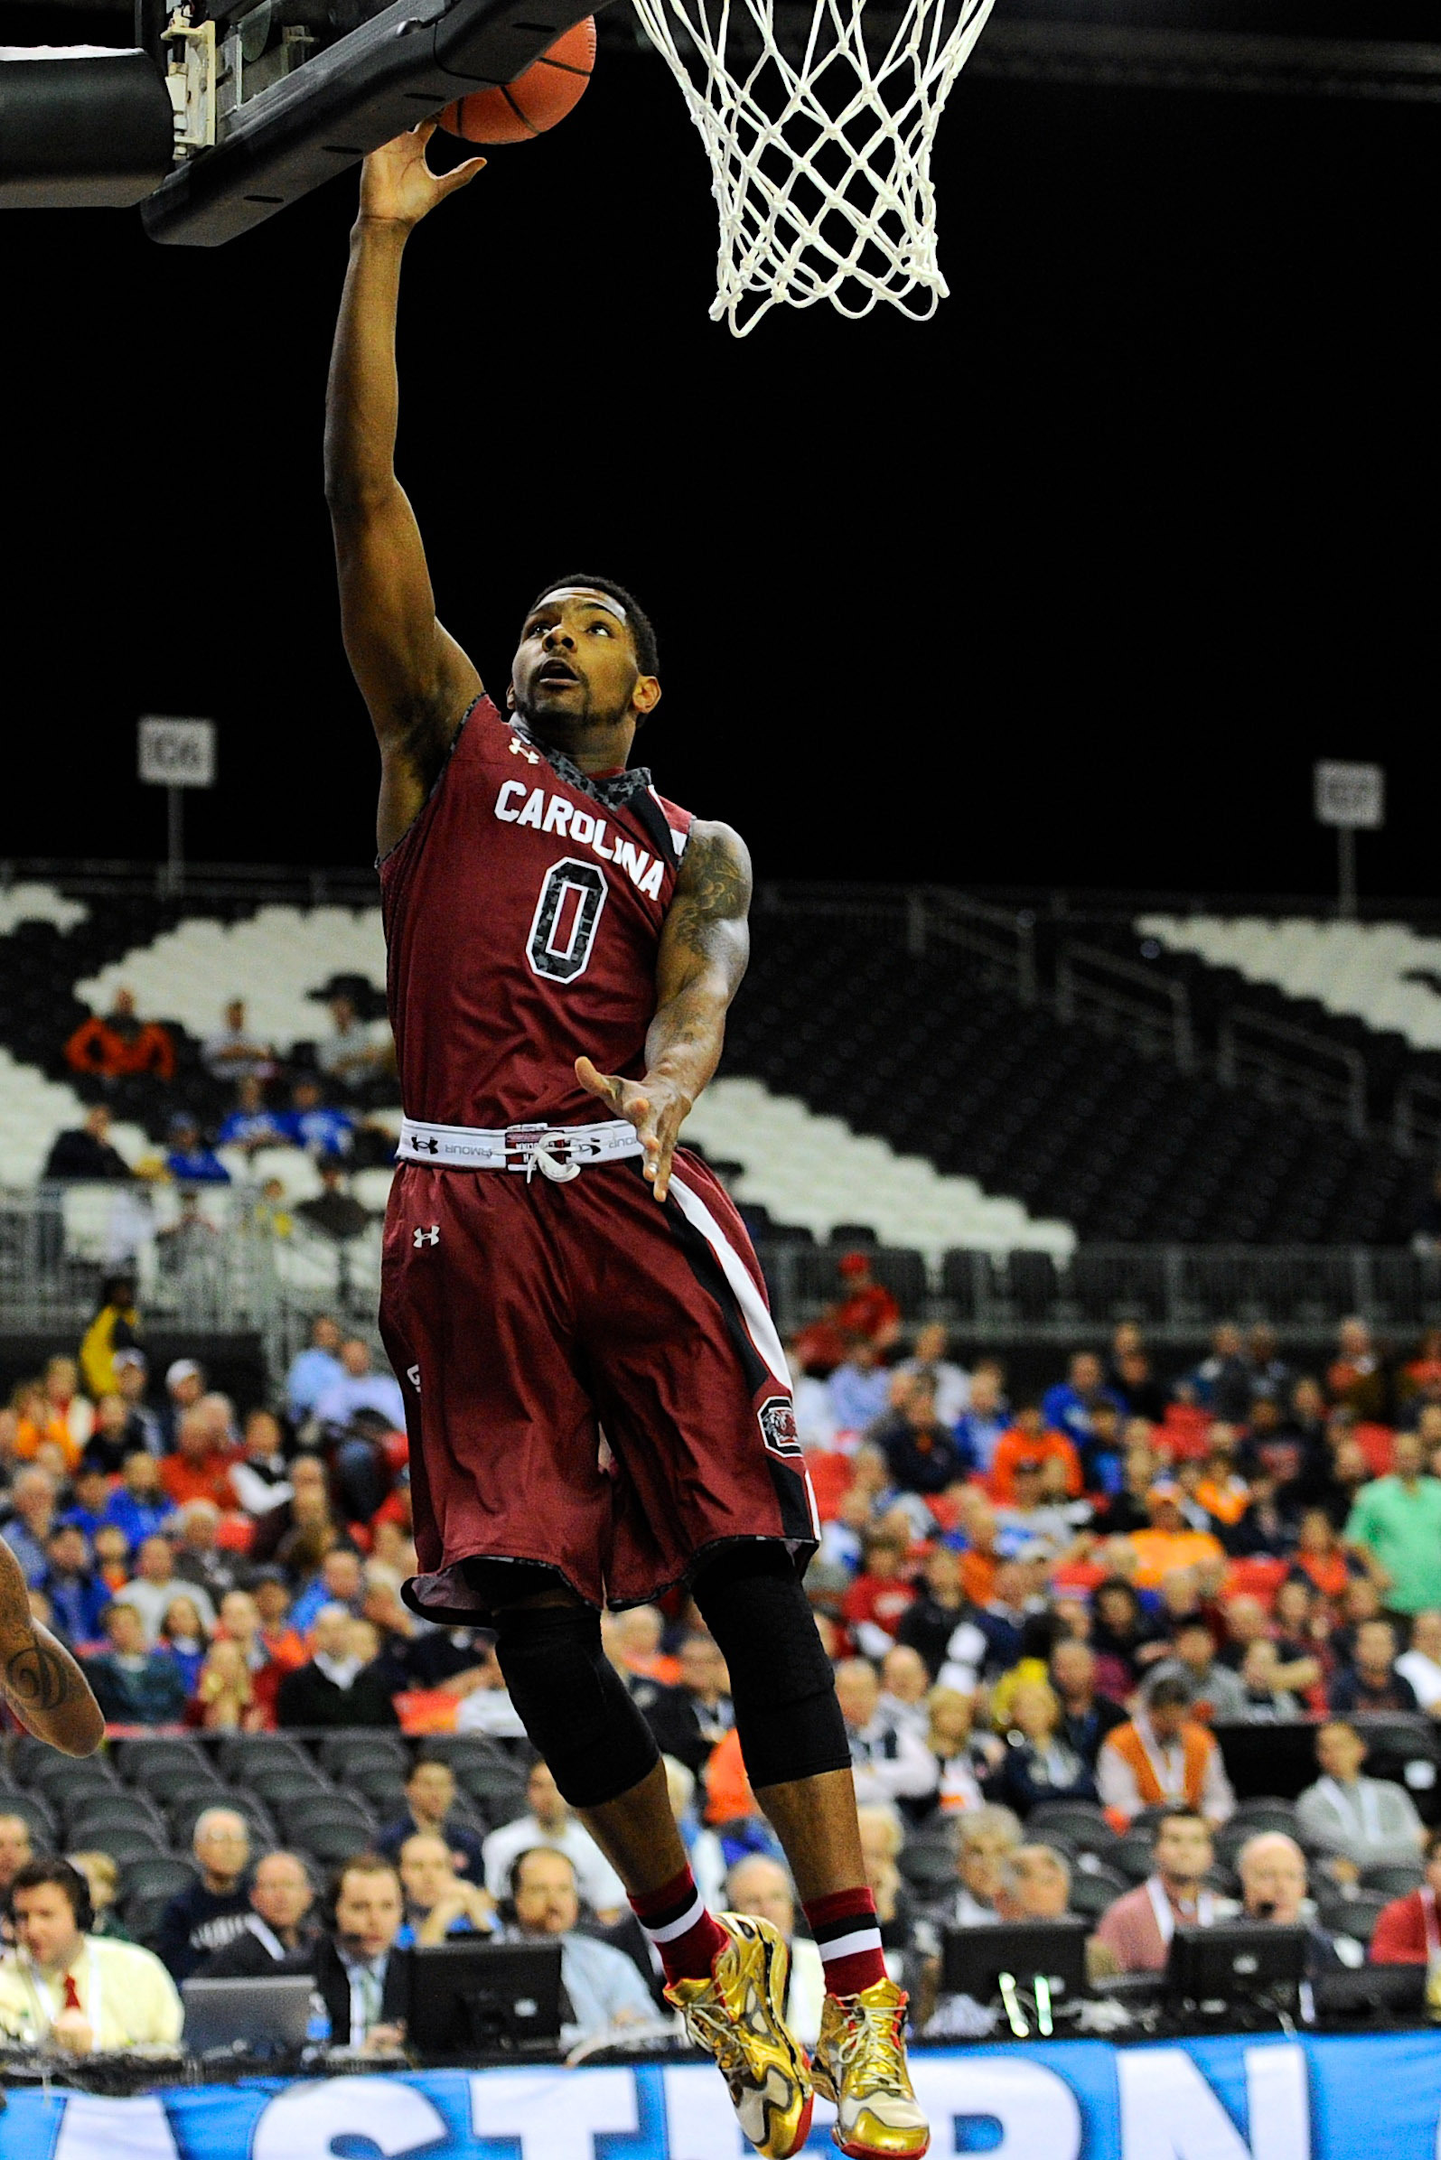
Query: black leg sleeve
(572, 1701)
(782, 1686)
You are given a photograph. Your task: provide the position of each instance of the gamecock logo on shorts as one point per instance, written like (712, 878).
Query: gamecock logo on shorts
(778, 1428)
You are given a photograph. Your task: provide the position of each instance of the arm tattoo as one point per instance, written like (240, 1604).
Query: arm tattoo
(36, 1678)
(714, 887)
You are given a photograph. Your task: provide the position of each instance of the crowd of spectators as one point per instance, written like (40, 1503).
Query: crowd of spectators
(1034, 1605)
(316, 1102)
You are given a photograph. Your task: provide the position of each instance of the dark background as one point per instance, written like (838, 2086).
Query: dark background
(1066, 587)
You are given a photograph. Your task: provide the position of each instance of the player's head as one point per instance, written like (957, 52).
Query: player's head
(586, 658)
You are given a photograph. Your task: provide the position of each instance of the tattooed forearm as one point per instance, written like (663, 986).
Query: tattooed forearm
(36, 1678)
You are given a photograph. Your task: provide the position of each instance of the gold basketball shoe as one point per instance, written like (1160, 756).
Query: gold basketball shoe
(738, 2016)
(860, 2064)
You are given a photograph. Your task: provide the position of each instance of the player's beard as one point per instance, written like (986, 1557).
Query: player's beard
(557, 727)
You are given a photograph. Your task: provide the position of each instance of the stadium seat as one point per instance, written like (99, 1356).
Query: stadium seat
(124, 1842)
(277, 1781)
(928, 1861)
(41, 1816)
(1265, 1814)
(159, 1875)
(59, 1777)
(1132, 1854)
(91, 1808)
(158, 1765)
(239, 1750)
(1094, 1890)
(1079, 1822)
(1392, 1881)
(340, 1750)
(332, 1839)
(1355, 1915)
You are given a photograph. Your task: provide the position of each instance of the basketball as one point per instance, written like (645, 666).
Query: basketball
(545, 93)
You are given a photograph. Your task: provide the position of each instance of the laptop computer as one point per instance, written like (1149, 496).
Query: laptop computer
(247, 2017)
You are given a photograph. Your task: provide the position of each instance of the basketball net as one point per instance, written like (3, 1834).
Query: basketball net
(819, 134)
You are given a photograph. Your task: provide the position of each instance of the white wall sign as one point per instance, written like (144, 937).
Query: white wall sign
(1351, 796)
(177, 753)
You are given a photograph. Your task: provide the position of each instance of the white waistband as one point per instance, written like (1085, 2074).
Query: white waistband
(558, 1151)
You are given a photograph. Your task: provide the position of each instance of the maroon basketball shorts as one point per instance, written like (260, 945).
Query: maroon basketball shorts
(527, 1320)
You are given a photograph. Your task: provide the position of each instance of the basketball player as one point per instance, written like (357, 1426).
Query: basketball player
(39, 1679)
(563, 944)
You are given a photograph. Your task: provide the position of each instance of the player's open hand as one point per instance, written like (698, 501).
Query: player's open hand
(398, 186)
(655, 1107)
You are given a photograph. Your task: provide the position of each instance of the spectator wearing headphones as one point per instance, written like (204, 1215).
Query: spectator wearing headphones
(64, 1988)
(361, 1974)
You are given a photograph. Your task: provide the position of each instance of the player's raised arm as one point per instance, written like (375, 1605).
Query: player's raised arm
(704, 947)
(41, 1681)
(413, 676)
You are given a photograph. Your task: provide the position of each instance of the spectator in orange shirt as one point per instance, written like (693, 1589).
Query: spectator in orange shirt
(1319, 1554)
(1169, 1543)
(122, 1044)
(979, 1559)
(38, 1424)
(1220, 1489)
(276, 1638)
(1424, 1370)
(200, 1467)
(1028, 1440)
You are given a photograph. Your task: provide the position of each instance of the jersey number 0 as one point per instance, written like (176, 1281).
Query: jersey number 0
(562, 932)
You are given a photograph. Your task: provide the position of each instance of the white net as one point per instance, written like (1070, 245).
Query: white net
(819, 123)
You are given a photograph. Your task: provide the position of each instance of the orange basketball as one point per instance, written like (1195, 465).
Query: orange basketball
(545, 93)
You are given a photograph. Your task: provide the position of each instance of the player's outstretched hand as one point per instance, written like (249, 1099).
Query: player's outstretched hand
(656, 1108)
(398, 186)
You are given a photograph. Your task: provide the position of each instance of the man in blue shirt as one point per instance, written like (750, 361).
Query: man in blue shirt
(90, 1493)
(314, 1370)
(189, 1159)
(604, 1988)
(358, 1388)
(250, 1125)
(27, 1532)
(77, 1596)
(1068, 1406)
(140, 1503)
(308, 1123)
(979, 1428)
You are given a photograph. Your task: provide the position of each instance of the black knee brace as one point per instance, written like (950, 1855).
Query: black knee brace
(572, 1702)
(789, 1721)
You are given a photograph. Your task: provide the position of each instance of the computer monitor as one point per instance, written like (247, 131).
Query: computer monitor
(247, 2017)
(471, 1998)
(1371, 1994)
(974, 1958)
(1235, 1964)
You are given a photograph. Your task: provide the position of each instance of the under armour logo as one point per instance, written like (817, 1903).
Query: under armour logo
(518, 749)
(412, 1374)
(424, 1236)
(425, 1143)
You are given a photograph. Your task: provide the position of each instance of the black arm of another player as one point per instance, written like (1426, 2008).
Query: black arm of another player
(413, 676)
(704, 947)
(41, 1681)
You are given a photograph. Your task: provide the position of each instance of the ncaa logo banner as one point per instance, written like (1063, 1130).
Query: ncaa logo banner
(1224, 2099)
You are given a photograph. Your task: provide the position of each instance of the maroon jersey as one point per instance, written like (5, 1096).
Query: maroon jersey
(523, 913)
